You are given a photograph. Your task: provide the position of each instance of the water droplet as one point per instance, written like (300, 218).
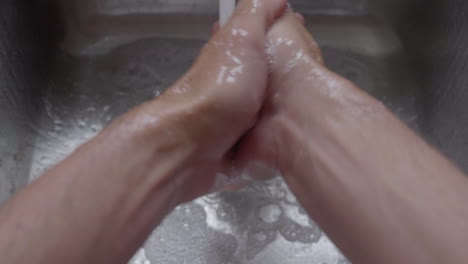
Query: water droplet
(260, 236)
(81, 124)
(91, 109)
(270, 213)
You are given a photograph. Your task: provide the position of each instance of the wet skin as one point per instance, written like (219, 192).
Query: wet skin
(376, 188)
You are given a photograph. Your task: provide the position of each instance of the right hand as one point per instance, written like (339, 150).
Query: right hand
(302, 94)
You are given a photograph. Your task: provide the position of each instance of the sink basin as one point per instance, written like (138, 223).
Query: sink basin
(68, 69)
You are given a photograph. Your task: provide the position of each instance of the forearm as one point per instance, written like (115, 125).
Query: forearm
(99, 205)
(379, 191)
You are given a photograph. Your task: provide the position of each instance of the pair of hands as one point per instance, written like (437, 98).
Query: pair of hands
(245, 97)
(258, 96)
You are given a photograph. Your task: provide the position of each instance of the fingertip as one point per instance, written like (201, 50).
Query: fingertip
(263, 11)
(289, 26)
(277, 8)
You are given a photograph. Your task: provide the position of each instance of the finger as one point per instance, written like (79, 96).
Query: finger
(256, 156)
(246, 29)
(251, 19)
(309, 40)
(259, 12)
(290, 27)
(240, 48)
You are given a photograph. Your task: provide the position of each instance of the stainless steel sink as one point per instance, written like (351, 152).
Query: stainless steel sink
(67, 69)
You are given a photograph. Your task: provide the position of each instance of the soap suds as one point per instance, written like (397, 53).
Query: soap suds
(270, 213)
(211, 217)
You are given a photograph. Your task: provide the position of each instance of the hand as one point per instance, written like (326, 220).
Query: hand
(360, 173)
(100, 204)
(219, 99)
(301, 90)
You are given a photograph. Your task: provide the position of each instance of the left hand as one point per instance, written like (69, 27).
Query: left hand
(213, 105)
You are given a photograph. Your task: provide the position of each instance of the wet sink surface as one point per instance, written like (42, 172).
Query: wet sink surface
(118, 54)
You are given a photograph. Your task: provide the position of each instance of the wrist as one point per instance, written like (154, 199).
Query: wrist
(318, 113)
(150, 147)
(179, 138)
